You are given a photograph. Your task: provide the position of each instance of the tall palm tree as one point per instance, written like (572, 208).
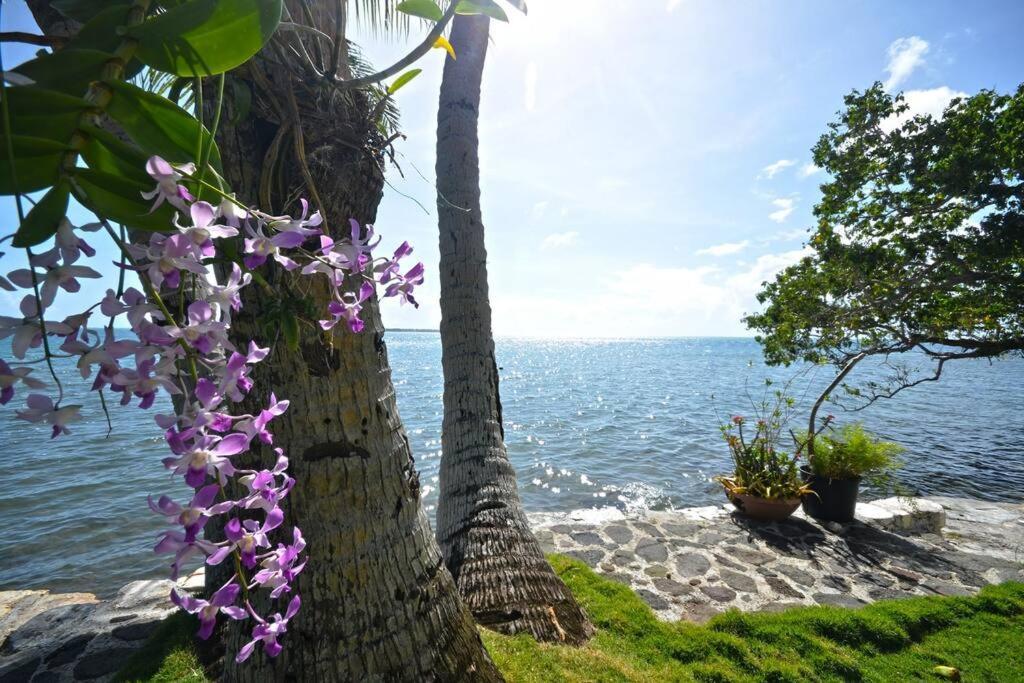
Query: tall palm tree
(497, 563)
(378, 603)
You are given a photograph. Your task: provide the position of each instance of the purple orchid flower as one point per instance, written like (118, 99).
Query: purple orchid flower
(268, 632)
(279, 567)
(25, 331)
(247, 537)
(356, 253)
(257, 426)
(166, 257)
(348, 309)
(229, 210)
(133, 303)
(208, 456)
(203, 230)
(226, 297)
(71, 244)
(221, 602)
(167, 187)
(42, 409)
(258, 247)
(174, 542)
(264, 493)
(10, 376)
(406, 284)
(389, 269)
(236, 383)
(194, 516)
(203, 333)
(56, 277)
(292, 232)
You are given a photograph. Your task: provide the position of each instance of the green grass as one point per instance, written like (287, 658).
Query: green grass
(170, 655)
(900, 640)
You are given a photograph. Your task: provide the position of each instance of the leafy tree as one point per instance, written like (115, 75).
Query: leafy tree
(919, 243)
(499, 567)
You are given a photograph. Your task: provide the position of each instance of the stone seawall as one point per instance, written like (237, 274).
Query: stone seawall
(686, 564)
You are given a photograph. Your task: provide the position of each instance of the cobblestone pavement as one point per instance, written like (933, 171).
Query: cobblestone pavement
(686, 564)
(693, 563)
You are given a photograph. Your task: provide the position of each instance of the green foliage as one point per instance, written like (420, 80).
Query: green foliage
(887, 641)
(919, 242)
(852, 451)
(44, 218)
(56, 122)
(402, 80)
(761, 466)
(486, 7)
(169, 656)
(894, 640)
(35, 163)
(68, 71)
(158, 125)
(424, 9)
(206, 37)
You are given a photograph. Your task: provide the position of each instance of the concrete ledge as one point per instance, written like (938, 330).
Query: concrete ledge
(903, 514)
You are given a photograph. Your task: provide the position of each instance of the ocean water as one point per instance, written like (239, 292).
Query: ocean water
(588, 423)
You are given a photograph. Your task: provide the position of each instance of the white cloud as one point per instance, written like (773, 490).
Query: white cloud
(809, 169)
(724, 249)
(530, 87)
(646, 300)
(784, 207)
(557, 240)
(933, 102)
(905, 55)
(671, 5)
(771, 170)
(538, 210)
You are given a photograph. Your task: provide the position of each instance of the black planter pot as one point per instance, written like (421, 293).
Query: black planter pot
(836, 499)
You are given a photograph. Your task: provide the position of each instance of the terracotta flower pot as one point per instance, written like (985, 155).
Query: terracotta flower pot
(764, 509)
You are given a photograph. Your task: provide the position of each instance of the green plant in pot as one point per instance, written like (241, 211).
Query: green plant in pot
(838, 460)
(765, 483)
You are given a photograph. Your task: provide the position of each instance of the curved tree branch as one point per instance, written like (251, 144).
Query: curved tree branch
(420, 50)
(32, 39)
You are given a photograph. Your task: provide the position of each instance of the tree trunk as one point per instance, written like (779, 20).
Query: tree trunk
(378, 603)
(497, 563)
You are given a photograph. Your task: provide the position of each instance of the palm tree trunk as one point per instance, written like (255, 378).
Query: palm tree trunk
(378, 603)
(497, 563)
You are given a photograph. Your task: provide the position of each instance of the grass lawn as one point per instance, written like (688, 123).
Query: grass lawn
(901, 640)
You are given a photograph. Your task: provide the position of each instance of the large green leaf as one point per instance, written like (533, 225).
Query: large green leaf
(157, 125)
(42, 113)
(36, 163)
(106, 152)
(518, 4)
(69, 71)
(425, 9)
(119, 199)
(42, 221)
(80, 10)
(402, 80)
(101, 32)
(488, 7)
(205, 37)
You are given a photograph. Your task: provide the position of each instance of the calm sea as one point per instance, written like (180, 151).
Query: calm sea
(588, 423)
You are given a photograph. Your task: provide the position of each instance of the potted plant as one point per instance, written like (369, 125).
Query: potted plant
(837, 462)
(765, 483)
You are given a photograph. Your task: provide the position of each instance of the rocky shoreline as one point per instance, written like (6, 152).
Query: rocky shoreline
(686, 564)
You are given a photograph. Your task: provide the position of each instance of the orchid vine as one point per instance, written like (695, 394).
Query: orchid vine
(190, 356)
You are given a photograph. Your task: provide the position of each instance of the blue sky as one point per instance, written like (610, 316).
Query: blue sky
(646, 165)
